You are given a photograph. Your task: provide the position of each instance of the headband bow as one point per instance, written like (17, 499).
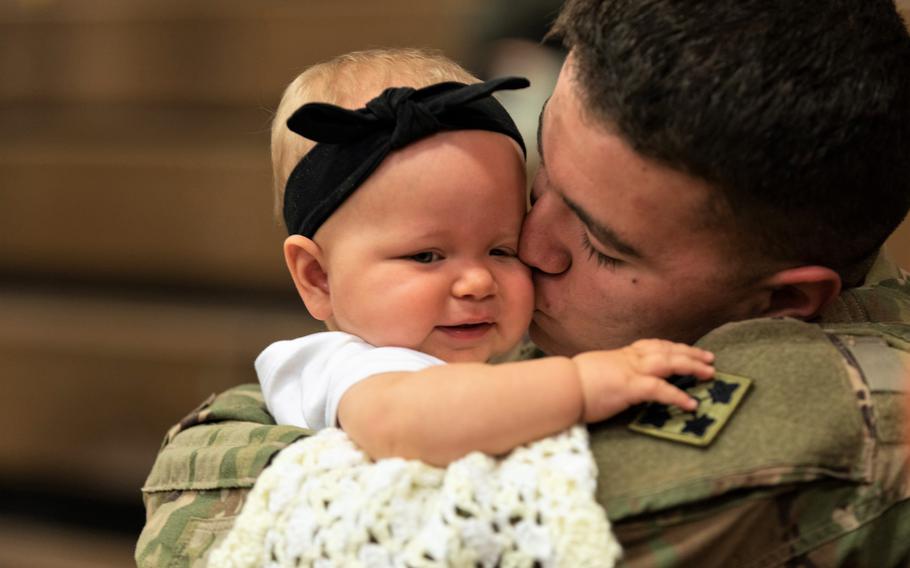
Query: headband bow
(352, 143)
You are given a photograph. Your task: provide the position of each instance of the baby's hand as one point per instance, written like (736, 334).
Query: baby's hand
(612, 381)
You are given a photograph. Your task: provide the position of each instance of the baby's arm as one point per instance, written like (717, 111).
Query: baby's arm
(441, 413)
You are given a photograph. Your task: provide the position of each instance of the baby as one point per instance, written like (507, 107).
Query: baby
(404, 219)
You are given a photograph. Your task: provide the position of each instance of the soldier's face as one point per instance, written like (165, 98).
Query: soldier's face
(620, 246)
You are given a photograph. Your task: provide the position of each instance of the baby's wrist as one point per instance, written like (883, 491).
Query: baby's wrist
(578, 383)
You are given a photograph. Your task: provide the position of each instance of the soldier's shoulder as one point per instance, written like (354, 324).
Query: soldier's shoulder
(742, 340)
(813, 450)
(799, 421)
(242, 403)
(223, 443)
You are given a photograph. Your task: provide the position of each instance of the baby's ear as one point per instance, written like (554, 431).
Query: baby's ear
(307, 267)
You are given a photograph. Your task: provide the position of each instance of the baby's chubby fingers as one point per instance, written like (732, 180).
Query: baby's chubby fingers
(651, 347)
(697, 353)
(685, 365)
(665, 358)
(647, 388)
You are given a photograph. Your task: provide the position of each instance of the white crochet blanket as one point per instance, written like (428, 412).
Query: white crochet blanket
(324, 503)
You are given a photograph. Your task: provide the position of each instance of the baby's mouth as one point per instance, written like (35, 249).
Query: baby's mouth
(467, 330)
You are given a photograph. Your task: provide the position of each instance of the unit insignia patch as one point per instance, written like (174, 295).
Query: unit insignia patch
(717, 401)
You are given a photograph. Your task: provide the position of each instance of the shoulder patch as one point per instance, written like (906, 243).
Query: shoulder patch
(717, 401)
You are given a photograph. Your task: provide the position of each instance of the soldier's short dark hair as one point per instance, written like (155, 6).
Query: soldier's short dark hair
(797, 112)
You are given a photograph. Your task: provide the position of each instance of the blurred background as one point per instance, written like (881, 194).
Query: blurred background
(140, 267)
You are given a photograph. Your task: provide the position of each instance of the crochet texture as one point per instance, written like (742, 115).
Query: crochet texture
(324, 503)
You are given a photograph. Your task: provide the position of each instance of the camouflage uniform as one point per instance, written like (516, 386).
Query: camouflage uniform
(810, 470)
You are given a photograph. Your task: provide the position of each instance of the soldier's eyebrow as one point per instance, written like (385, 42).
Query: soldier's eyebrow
(601, 231)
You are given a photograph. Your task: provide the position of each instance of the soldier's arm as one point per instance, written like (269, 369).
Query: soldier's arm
(806, 524)
(202, 475)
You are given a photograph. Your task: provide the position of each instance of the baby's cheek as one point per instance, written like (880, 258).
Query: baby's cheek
(522, 300)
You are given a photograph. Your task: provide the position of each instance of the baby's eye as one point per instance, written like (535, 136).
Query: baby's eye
(426, 257)
(501, 251)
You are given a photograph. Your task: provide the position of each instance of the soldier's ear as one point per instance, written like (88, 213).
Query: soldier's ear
(306, 263)
(801, 292)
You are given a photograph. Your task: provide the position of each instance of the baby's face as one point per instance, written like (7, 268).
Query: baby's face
(424, 254)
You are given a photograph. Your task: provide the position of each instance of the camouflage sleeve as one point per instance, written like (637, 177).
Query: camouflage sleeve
(184, 526)
(800, 525)
(202, 475)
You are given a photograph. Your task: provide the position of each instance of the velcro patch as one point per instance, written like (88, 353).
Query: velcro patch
(717, 400)
(885, 369)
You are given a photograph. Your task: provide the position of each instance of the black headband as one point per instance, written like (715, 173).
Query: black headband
(352, 143)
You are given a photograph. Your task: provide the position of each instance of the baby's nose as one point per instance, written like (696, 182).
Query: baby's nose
(476, 282)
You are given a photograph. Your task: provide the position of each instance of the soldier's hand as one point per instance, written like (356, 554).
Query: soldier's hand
(612, 381)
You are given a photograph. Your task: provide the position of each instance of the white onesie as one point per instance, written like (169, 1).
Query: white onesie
(304, 379)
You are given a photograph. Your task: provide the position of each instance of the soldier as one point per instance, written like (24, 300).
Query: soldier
(722, 173)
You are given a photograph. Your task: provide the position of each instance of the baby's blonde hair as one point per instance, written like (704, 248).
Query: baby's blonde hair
(350, 81)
